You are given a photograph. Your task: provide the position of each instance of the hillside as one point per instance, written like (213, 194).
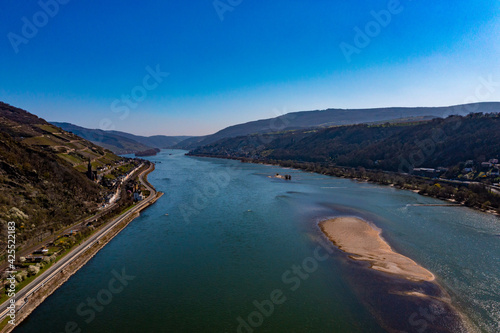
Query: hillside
(436, 143)
(42, 182)
(335, 117)
(154, 141)
(116, 143)
(121, 142)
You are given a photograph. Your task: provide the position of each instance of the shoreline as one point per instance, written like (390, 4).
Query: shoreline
(363, 242)
(277, 163)
(49, 287)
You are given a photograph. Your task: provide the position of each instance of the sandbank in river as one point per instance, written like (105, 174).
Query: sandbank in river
(363, 242)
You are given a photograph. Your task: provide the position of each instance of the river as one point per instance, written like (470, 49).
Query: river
(228, 249)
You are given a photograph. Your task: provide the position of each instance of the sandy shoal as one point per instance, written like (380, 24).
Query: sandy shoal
(363, 242)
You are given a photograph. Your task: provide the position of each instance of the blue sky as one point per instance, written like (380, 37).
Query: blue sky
(87, 62)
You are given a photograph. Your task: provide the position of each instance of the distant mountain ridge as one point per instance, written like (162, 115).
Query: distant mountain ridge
(334, 117)
(391, 147)
(117, 144)
(122, 142)
(154, 141)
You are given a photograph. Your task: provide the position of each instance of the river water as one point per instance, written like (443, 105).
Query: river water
(228, 249)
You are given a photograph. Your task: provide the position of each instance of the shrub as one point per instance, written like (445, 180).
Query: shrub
(33, 270)
(19, 277)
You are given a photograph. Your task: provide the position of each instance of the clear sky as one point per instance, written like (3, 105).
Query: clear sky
(231, 61)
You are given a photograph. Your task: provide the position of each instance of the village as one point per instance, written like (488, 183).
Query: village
(466, 171)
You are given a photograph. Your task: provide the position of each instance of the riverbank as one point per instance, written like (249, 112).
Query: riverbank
(467, 195)
(363, 242)
(25, 306)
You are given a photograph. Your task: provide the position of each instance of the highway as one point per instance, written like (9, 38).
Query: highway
(22, 296)
(493, 188)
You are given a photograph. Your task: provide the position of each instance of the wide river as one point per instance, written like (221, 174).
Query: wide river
(228, 249)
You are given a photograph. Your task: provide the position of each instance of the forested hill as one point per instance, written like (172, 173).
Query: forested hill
(393, 147)
(107, 139)
(336, 117)
(122, 142)
(42, 186)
